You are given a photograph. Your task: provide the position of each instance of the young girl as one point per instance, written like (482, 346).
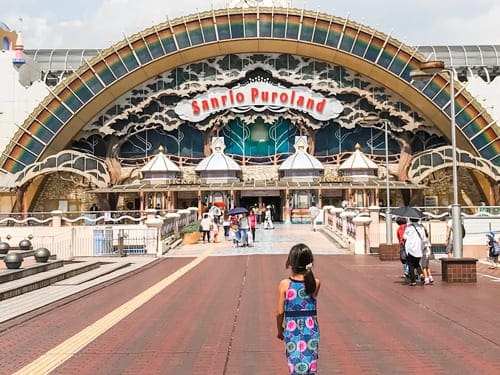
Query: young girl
(296, 317)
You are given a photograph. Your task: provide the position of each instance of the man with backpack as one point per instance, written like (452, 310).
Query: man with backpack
(415, 242)
(493, 249)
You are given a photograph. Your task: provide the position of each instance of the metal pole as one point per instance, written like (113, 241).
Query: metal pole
(455, 207)
(388, 218)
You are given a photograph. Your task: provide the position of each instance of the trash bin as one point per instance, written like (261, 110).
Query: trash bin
(103, 241)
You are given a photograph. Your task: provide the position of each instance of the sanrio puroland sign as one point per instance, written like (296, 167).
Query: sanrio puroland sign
(258, 96)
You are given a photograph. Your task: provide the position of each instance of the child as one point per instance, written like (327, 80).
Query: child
(424, 262)
(296, 317)
(493, 250)
(235, 235)
(215, 232)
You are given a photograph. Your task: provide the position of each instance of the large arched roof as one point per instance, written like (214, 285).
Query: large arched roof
(118, 69)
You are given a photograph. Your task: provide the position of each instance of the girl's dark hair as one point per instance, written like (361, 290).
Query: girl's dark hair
(300, 259)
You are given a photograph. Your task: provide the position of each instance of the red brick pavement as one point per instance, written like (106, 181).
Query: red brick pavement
(219, 318)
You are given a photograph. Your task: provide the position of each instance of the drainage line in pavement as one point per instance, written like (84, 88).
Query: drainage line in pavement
(236, 314)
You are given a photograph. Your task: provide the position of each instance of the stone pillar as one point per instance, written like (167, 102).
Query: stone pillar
(375, 226)
(362, 240)
(175, 217)
(56, 218)
(458, 270)
(153, 222)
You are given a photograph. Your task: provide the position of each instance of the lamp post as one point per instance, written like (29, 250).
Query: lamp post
(370, 119)
(426, 70)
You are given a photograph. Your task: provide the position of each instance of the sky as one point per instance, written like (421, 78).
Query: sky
(100, 23)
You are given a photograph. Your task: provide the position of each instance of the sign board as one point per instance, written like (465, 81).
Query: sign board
(258, 95)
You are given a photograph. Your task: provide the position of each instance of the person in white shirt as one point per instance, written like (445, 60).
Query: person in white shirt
(415, 241)
(313, 212)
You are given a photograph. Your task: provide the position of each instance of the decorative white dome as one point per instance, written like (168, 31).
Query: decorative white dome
(358, 161)
(159, 163)
(301, 160)
(218, 161)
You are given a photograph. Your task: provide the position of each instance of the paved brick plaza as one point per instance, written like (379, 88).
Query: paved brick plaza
(219, 317)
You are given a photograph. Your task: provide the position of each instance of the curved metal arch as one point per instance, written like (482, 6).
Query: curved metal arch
(126, 64)
(428, 162)
(69, 161)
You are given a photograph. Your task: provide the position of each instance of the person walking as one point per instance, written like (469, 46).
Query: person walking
(424, 262)
(244, 225)
(493, 250)
(268, 218)
(401, 221)
(313, 213)
(252, 221)
(415, 240)
(296, 317)
(226, 226)
(206, 226)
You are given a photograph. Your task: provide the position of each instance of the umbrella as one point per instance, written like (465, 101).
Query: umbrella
(237, 210)
(407, 211)
(219, 204)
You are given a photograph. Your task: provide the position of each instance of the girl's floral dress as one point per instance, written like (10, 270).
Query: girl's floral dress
(301, 333)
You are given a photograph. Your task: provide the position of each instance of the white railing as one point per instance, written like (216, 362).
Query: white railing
(78, 236)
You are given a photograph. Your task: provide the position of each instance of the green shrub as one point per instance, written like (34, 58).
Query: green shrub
(191, 227)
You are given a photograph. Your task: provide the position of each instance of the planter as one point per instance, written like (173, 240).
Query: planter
(4, 247)
(42, 255)
(191, 238)
(25, 245)
(13, 260)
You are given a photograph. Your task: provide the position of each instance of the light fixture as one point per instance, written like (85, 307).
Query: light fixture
(426, 71)
(259, 131)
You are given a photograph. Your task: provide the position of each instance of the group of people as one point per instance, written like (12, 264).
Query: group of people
(240, 228)
(415, 251)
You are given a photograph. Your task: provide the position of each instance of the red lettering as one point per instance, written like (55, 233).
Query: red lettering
(204, 105)
(254, 93)
(240, 98)
(214, 102)
(231, 98)
(223, 99)
(300, 101)
(320, 107)
(310, 104)
(265, 96)
(274, 96)
(194, 106)
(292, 99)
(284, 97)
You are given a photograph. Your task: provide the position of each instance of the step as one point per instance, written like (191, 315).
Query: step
(8, 275)
(27, 284)
(103, 270)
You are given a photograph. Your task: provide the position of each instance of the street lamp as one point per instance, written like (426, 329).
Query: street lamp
(370, 119)
(426, 70)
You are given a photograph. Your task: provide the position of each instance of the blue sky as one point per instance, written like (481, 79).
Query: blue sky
(99, 23)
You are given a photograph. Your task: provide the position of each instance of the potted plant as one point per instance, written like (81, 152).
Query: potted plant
(191, 233)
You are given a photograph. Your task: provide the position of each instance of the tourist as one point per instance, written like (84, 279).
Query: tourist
(296, 316)
(313, 213)
(252, 220)
(493, 249)
(415, 240)
(206, 226)
(226, 226)
(268, 219)
(401, 221)
(244, 225)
